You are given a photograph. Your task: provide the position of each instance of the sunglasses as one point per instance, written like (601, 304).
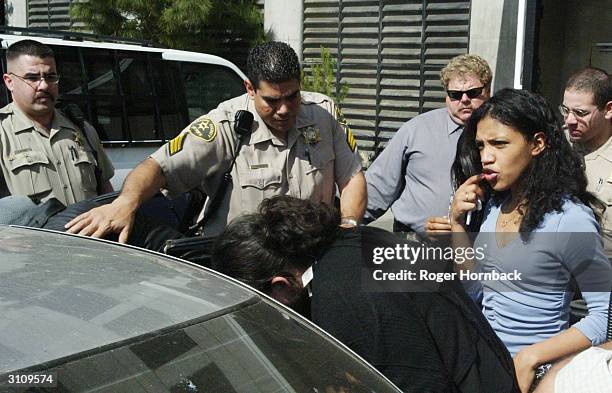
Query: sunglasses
(458, 94)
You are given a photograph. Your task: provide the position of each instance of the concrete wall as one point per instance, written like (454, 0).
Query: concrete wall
(16, 13)
(566, 37)
(283, 18)
(493, 36)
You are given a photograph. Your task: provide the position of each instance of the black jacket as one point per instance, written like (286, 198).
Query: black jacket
(422, 341)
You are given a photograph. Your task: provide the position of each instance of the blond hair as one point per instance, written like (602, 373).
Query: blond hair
(467, 64)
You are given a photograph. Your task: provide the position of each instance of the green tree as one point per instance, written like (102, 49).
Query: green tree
(226, 28)
(322, 78)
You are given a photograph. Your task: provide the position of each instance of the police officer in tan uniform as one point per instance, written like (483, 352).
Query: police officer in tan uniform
(43, 154)
(587, 112)
(299, 145)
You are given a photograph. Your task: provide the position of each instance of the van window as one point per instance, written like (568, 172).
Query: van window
(138, 92)
(134, 96)
(103, 93)
(169, 86)
(206, 85)
(69, 68)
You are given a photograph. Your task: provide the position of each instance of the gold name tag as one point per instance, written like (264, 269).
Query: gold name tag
(259, 166)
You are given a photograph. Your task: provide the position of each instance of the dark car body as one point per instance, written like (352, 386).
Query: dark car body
(102, 317)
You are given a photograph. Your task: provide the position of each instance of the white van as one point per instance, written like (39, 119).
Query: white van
(137, 97)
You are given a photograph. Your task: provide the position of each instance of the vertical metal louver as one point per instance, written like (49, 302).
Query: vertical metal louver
(390, 52)
(50, 14)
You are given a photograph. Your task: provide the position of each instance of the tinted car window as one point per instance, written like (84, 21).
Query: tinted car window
(137, 89)
(168, 87)
(207, 85)
(133, 96)
(106, 112)
(99, 65)
(103, 91)
(69, 69)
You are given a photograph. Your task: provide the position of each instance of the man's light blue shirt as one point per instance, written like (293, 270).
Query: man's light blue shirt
(413, 173)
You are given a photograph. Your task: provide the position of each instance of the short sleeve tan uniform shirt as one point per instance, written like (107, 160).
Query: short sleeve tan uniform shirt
(60, 165)
(598, 167)
(320, 152)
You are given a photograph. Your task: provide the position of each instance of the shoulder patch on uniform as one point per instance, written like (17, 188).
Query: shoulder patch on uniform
(350, 139)
(204, 128)
(176, 144)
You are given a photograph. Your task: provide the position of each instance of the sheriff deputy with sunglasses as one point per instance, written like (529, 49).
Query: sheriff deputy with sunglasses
(587, 113)
(43, 154)
(412, 174)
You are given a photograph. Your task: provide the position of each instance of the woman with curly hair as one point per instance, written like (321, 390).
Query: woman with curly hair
(538, 220)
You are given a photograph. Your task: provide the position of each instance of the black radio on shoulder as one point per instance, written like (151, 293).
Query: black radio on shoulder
(243, 123)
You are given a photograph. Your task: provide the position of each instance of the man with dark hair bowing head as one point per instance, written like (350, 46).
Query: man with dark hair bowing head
(435, 341)
(297, 144)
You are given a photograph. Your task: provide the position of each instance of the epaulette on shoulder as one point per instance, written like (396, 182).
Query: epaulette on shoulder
(313, 98)
(216, 115)
(7, 110)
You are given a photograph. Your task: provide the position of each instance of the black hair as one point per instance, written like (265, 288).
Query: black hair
(273, 62)
(286, 233)
(467, 164)
(592, 80)
(28, 48)
(553, 175)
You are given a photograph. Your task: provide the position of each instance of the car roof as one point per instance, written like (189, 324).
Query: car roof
(166, 54)
(62, 294)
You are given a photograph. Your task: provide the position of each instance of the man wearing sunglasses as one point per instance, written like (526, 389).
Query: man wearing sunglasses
(412, 175)
(587, 113)
(44, 154)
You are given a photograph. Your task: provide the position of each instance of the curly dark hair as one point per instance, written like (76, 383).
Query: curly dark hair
(552, 176)
(286, 233)
(274, 62)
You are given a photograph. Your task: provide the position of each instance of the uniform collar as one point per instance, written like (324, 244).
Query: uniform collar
(60, 121)
(451, 126)
(23, 123)
(604, 150)
(263, 134)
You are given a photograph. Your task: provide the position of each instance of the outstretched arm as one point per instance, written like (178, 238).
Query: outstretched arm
(118, 217)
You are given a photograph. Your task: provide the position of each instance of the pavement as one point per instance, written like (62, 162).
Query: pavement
(385, 221)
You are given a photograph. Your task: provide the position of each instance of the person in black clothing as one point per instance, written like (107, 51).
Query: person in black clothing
(435, 341)
(150, 231)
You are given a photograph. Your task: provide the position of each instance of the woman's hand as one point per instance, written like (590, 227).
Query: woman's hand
(525, 364)
(466, 199)
(437, 224)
